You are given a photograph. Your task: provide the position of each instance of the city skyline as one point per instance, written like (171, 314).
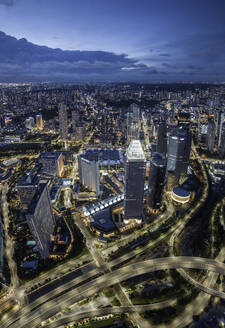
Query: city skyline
(145, 41)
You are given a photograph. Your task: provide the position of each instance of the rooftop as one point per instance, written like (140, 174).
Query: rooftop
(135, 152)
(50, 155)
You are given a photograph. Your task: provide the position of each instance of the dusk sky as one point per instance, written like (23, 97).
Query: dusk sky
(164, 40)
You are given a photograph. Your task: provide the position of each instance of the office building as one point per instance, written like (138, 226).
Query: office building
(134, 181)
(88, 167)
(221, 118)
(135, 113)
(52, 163)
(27, 186)
(156, 181)
(41, 220)
(39, 122)
(63, 125)
(210, 138)
(75, 120)
(161, 146)
(29, 123)
(222, 142)
(79, 133)
(179, 148)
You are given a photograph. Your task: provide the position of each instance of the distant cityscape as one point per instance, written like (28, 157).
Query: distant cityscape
(112, 205)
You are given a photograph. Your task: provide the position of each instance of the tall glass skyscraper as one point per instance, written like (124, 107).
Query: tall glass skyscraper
(89, 173)
(210, 139)
(134, 181)
(179, 148)
(156, 181)
(63, 125)
(161, 146)
(41, 220)
(222, 142)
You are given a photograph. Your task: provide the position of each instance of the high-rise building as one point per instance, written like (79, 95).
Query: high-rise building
(80, 132)
(75, 120)
(52, 163)
(136, 113)
(156, 180)
(41, 220)
(63, 126)
(179, 148)
(134, 181)
(88, 167)
(161, 146)
(39, 122)
(27, 186)
(132, 128)
(222, 142)
(29, 123)
(221, 118)
(210, 138)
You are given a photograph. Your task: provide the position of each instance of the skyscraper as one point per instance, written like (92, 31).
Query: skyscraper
(222, 142)
(156, 180)
(210, 138)
(161, 146)
(75, 120)
(41, 220)
(134, 181)
(39, 122)
(63, 121)
(89, 173)
(52, 163)
(221, 118)
(179, 148)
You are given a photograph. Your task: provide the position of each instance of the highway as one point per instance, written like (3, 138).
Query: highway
(9, 247)
(109, 310)
(31, 316)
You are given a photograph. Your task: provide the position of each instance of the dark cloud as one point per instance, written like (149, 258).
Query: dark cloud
(24, 60)
(8, 2)
(165, 55)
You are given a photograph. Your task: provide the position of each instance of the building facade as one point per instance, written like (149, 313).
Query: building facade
(156, 180)
(41, 220)
(134, 181)
(89, 173)
(210, 138)
(179, 148)
(52, 163)
(63, 124)
(161, 146)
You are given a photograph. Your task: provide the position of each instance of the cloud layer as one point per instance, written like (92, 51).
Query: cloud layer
(192, 59)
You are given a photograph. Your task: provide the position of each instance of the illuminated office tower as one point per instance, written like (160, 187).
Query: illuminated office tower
(210, 138)
(39, 122)
(52, 163)
(136, 113)
(179, 148)
(63, 122)
(221, 118)
(41, 220)
(156, 181)
(88, 168)
(134, 181)
(161, 146)
(29, 123)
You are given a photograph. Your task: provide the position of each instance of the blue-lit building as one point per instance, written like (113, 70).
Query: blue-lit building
(156, 181)
(179, 148)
